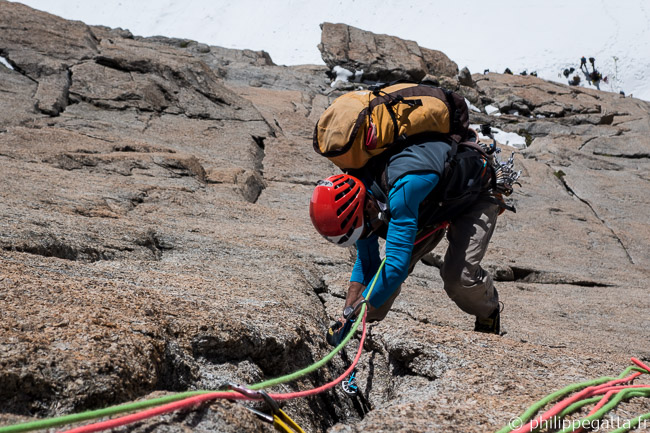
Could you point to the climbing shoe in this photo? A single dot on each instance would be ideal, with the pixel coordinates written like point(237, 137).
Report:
point(489, 325)
point(337, 332)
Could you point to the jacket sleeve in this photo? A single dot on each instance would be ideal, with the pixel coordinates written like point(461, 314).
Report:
point(368, 260)
point(404, 198)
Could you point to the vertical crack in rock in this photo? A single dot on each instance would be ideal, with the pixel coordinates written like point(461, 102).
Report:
point(259, 141)
point(177, 370)
point(147, 123)
point(573, 193)
point(331, 404)
point(308, 103)
point(251, 182)
point(316, 283)
point(277, 124)
point(258, 151)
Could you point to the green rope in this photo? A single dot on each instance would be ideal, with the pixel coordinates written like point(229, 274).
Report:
point(579, 405)
point(99, 413)
point(572, 408)
point(621, 395)
point(326, 359)
point(289, 377)
point(536, 407)
point(633, 423)
point(135, 406)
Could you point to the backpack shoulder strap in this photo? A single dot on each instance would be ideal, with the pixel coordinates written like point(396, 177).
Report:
point(376, 184)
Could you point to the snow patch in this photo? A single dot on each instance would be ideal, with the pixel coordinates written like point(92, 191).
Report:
point(6, 63)
point(472, 107)
point(491, 109)
point(343, 75)
point(508, 138)
point(615, 33)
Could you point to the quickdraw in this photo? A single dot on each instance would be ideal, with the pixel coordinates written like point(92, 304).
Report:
point(349, 385)
point(280, 420)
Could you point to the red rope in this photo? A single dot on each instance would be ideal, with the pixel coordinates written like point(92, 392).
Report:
point(332, 384)
point(585, 393)
point(641, 364)
point(442, 225)
point(160, 410)
point(609, 392)
point(196, 400)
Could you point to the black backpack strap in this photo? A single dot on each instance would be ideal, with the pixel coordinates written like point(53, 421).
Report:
point(394, 100)
point(382, 199)
point(455, 122)
point(390, 104)
point(377, 87)
point(451, 156)
point(374, 186)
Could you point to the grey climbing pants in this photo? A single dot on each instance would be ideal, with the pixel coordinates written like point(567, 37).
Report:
point(465, 281)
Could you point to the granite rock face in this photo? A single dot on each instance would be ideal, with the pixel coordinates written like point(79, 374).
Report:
point(381, 57)
point(154, 237)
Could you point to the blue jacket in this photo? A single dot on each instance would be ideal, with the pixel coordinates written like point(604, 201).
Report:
point(404, 199)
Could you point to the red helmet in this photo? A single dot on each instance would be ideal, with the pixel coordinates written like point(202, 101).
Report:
point(336, 209)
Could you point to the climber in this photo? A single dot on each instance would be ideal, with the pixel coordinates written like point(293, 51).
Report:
point(354, 209)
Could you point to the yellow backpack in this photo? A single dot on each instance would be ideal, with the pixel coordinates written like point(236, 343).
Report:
point(364, 123)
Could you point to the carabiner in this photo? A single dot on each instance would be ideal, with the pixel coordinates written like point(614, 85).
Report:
point(281, 420)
